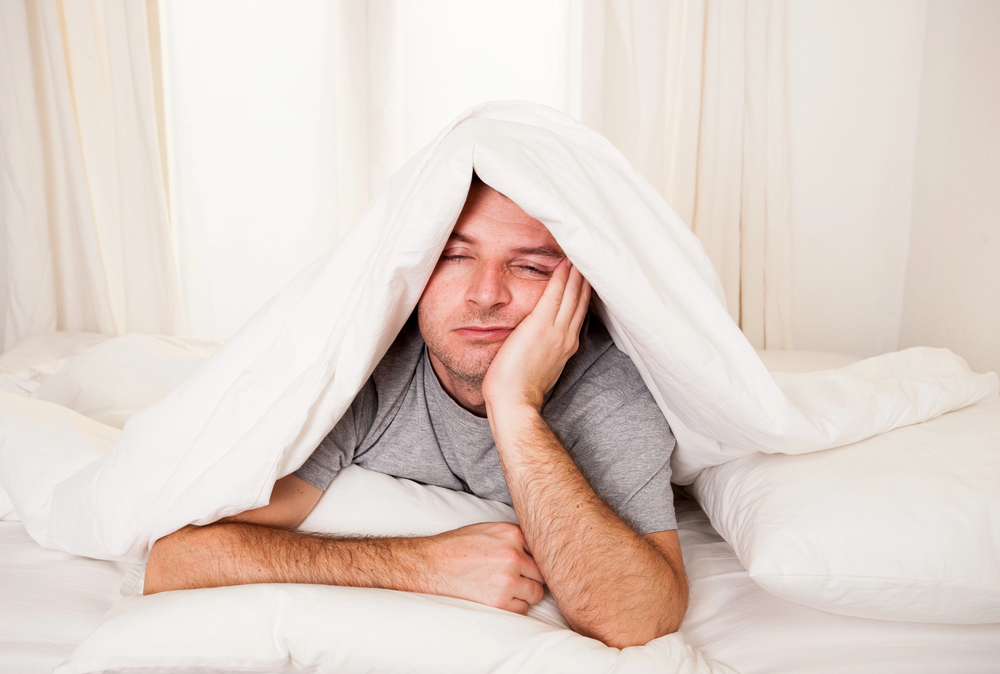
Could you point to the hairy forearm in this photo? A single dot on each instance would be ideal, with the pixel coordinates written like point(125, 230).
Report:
point(609, 582)
point(485, 563)
point(236, 553)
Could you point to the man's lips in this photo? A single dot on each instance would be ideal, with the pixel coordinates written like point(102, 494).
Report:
point(485, 333)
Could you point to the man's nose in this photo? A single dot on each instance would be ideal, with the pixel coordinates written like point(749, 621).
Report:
point(488, 286)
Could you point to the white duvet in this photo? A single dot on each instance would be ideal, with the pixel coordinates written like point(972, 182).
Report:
point(260, 405)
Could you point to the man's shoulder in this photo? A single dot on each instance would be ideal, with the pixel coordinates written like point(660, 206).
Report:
point(601, 393)
point(400, 361)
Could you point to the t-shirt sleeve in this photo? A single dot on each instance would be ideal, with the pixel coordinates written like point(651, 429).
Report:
point(337, 449)
point(625, 456)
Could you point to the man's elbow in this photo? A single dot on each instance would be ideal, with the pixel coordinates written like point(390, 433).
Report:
point(166, 568)
point(662, 619)
point(640, 636)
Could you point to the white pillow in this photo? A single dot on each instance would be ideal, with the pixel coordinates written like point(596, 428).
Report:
point(117, 378)
point(778, 360)
point(7, 512)
point(264, 628)
point(41, 446)
point(365, 502)
point(106, 379)
point(282, 628)
point(901, 526)
point(35, 359)
point(46, 348)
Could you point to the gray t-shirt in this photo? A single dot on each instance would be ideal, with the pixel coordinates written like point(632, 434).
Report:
point(403, 423)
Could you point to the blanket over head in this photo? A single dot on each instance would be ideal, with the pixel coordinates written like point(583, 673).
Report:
point(262, 403)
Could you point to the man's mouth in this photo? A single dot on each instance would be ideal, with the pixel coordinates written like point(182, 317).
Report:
point(484, 332)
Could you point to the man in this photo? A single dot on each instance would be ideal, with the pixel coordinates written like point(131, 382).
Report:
point(519, 396)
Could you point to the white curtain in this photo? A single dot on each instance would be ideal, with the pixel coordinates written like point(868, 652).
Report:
point(693, 92)
point(88, 244)
point(285, 120)
point(370, 131)
point(252, 100)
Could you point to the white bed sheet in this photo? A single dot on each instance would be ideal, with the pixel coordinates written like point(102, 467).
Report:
point(50, 601)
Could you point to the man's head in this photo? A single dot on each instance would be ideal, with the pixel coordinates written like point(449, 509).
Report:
point(491, 273)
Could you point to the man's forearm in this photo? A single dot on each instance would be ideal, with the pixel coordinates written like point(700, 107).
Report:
point(486, 563)
point(609, 582)
point(236, 553)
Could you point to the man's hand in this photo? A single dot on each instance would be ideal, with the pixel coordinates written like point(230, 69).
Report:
point(533, 356)
point(488, 563)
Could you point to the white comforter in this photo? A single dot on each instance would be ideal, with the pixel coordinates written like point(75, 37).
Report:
point(260, 405)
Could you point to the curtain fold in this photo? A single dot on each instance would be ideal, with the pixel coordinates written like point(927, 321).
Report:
point(370, 131)
point(88, 239)
point(693, 92)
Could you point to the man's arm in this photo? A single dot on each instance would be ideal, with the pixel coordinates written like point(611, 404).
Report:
point(487, 563)
point(610, 583)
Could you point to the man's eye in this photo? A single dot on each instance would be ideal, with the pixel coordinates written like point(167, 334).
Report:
point(454, 257)
point(534, 271)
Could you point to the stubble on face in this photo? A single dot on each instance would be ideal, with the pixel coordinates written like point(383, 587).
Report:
point(466, 363)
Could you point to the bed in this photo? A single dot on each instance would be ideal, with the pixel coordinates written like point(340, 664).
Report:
point(86, 615)
point(844, 516)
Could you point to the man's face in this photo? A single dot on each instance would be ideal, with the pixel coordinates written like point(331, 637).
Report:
point(493, 270)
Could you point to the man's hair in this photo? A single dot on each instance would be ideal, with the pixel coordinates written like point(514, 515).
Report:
point(476, 180)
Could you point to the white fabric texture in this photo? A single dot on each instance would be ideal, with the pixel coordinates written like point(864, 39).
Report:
point(901, 526)
point(46, 348)
point(114, 380)
point(266, 628)
point(105, 379)
point(49, 601)
point(261, 404)
point(88, 242)
point(370, 119)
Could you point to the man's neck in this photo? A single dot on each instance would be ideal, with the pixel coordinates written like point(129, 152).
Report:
point(467, 394)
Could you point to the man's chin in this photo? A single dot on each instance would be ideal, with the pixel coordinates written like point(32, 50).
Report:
point(472, 364)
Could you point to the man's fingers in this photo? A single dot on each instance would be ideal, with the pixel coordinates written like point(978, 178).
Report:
point(582, 306)
point(518, 606)
point(533, 592)
point(528, 593)
point(574, 294)
point(570, 295)
point(552, 297)
point(530, 570)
